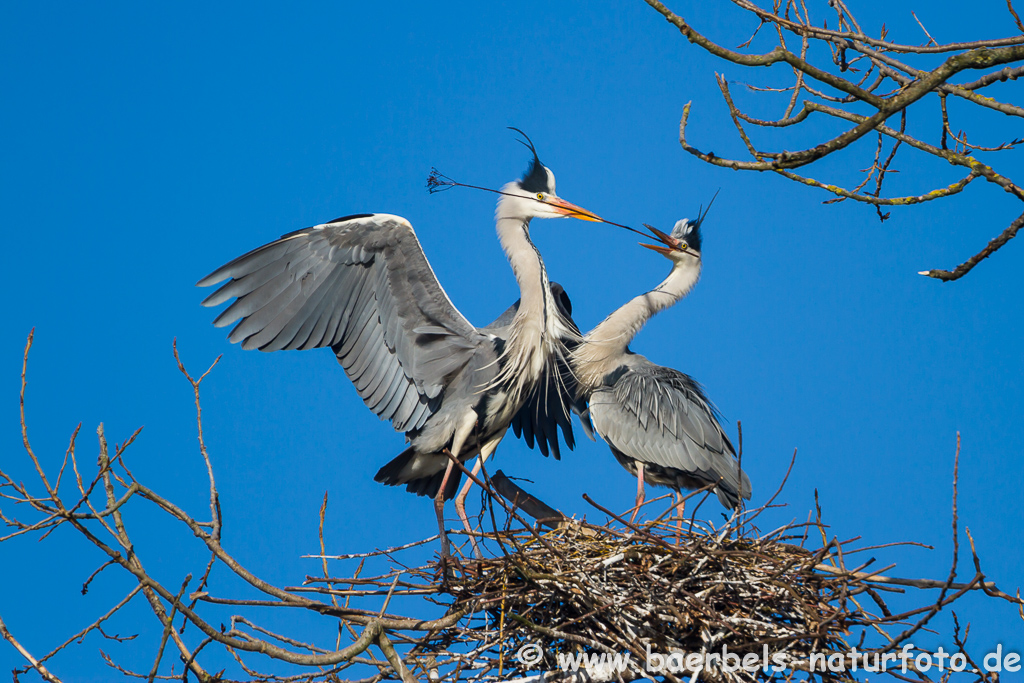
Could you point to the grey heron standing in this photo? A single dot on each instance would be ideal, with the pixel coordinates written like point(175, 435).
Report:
point(657, 421)
point(361, 285)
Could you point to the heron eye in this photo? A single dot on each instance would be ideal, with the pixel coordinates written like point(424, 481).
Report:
point(540, 196)
point(683, 246)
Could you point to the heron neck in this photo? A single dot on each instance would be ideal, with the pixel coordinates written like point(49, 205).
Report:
point(529, 336)
point(527, 266)
point(604, 345)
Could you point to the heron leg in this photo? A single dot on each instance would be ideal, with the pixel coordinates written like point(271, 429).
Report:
point(460, 500)
point(439, 509)
point(458, 439)
point(680, 511)
point(639, 490)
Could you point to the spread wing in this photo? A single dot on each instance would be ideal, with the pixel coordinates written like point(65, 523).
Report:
point(547, 407)
point(660, 416)
point(362, 286)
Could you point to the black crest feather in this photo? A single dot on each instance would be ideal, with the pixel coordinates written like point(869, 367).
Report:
point(536, 177)
point(689, 230)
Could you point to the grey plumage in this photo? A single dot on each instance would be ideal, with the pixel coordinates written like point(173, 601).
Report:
point(362, 286)
point(544, 413)
point(656, 419)
point(356, 286)
point(538, 421)
point(661, 417)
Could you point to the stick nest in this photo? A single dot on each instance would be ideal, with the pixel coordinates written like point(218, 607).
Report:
point(584, 588)
point(543, 599)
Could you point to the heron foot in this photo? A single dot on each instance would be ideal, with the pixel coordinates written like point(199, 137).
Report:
point(444, 572)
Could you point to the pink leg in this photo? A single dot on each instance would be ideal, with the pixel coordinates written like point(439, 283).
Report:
point(439, 509)
point(680, 510)
point(458, 439)
point(460, 507)
point(639, 491)
point(460, 500)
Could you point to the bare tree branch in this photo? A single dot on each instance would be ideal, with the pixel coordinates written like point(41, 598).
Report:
point(990, 248)
point(1000, 60)
point(612, 588)
point(33, 662)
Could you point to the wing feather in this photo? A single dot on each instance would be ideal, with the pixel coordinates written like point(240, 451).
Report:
point(248, 264)
point(297, 331)
point(362, 286)
point(359, 332)
point(660, 416)
point(386, 376)
point(366, 359)
point(394, 396)
point(407, 409)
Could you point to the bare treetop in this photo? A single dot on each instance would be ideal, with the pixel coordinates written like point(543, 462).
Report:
point(888, 76)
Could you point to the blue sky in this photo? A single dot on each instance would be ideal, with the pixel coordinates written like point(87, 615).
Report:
point(146, 146)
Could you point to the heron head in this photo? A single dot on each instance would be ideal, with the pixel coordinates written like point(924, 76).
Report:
point(533, 195)
point(688, 230)
point(683, 242)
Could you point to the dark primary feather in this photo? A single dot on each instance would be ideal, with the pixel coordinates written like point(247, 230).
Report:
point(545, 410)
point(391, 474)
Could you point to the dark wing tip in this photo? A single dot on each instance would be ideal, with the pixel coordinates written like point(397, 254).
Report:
point(562, 299)
point(351, 217)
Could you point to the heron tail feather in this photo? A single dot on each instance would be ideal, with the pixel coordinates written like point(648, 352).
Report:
point(421, 473)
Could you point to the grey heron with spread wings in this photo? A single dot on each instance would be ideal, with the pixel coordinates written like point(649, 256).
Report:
point(361, 286)
point(657, 421)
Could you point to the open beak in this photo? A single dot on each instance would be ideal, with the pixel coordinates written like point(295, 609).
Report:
point(670, 243)
point(568, 209)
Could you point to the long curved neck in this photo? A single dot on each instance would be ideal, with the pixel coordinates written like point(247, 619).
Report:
point(528, 268)
point(604, 345)
point(532, 337)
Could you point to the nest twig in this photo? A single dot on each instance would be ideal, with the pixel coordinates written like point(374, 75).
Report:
point(573, 601)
